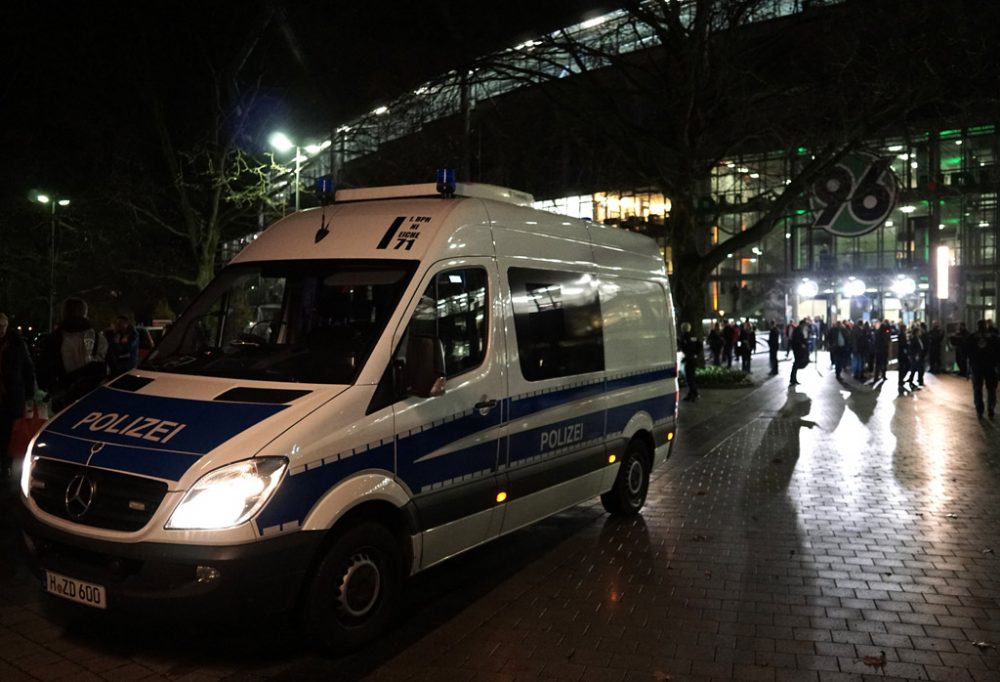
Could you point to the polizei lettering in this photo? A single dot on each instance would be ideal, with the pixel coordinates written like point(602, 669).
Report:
point(558, 438)
point(145, 428)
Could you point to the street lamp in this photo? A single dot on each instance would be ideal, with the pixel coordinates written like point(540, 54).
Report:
point(283, 143)
point(52, 202)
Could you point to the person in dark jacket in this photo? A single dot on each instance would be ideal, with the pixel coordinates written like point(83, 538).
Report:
point(935, 341)
point(918, 356)
point(17, 386)
point(715, 344)
point(123, 347)
point(957, 341)
point(693, 353)
point(982, 349)
point(773, 343)
point(800, 349)
point(903, 356)
point(859, 350)
point(73, 360)
point(748, 339)
point(838, 343)
point(730, 336)
point(883, 341)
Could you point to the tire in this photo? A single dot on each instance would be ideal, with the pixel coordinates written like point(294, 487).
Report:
point(355, 592)
point(628, 494)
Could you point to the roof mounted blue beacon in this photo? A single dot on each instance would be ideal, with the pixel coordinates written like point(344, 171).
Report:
point(325, 190)
point(446, 182)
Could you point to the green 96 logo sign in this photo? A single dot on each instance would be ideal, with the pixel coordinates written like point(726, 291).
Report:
point(855, 196)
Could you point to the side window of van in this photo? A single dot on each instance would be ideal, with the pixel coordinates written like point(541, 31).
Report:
point(453, 308)
point(557, 320)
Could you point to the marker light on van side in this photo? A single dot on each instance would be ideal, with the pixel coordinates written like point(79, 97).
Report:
point(228, 496)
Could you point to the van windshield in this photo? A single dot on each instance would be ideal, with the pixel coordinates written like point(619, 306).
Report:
point(306, 321)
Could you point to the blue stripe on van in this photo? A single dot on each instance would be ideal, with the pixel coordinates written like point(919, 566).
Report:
point(164, 464)
point(206, 424)
point(529, 404)
point(659, 408)
point(474, 459)
point(638, 379)
point(560, 436)
point(145, 435)
point(297, 494)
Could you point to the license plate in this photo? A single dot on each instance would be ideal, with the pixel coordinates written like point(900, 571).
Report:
point(76, 590)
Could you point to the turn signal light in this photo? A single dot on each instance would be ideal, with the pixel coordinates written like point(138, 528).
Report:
point(501, 496)
point(612, 459)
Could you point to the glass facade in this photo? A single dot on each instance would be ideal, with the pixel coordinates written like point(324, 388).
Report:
point(948, 183)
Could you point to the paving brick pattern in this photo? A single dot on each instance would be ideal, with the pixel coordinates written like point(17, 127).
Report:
point(826, 533)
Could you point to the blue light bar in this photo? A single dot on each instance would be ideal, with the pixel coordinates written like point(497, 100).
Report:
point(325, 190)
point(446, 181)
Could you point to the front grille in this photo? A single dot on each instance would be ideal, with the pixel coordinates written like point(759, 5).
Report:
point(120, 501)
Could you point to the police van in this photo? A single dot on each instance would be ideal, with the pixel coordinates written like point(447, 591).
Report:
point(371, 387)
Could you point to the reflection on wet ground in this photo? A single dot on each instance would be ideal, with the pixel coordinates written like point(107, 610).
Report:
point(796, 534)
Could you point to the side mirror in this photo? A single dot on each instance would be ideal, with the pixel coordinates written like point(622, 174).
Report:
point(422, 373)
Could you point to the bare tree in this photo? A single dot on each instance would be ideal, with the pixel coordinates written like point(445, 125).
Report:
point(677, 87)
point(214, 188)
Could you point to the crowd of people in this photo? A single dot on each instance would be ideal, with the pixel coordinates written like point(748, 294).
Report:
point(71, 361)
point(863, 347)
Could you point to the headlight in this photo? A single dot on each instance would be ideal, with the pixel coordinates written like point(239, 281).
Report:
point(29, 460)
point(228, 496)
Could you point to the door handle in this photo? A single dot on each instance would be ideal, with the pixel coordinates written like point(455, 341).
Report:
point(484, 406)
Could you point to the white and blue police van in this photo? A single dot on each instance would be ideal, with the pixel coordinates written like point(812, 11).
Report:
point(371, 387)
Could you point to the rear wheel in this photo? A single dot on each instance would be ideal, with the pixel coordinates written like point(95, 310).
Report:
point(355, 592)
point(632, 483)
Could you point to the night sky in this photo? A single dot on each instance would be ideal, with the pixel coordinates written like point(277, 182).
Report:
point(74, 72)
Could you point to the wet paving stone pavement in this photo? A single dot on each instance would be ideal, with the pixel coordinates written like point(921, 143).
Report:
point(824, 533)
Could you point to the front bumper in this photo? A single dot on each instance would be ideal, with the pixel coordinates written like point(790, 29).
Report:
point(253, 579)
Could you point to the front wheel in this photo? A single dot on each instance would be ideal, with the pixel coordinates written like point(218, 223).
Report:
point(355, 592)
point(629, 492)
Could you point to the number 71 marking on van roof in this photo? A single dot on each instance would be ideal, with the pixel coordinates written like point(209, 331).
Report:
point(406, 238)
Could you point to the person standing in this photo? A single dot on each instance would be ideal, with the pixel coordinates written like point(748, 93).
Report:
point(730, 336)
point(859, 350)
point(935, 341)
point(982, 349)
point(748, 338)
point(837, 340)
point(800, 349)
point(693, 352)
point(883, 340)
point(123, 347)
point(17, 386)
point(73, 361)
point(918, 355)
point(869, 347)
point(715, 344)
point(957, 341)
point(773, 342)
point(902, 356)
point(922, 354)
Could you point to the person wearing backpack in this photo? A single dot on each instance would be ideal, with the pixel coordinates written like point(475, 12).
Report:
point(73, 360)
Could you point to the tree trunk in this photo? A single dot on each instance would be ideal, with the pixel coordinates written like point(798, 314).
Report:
point(689, 281)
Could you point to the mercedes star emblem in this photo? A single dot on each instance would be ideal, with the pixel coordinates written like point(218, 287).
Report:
point(79, 495)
